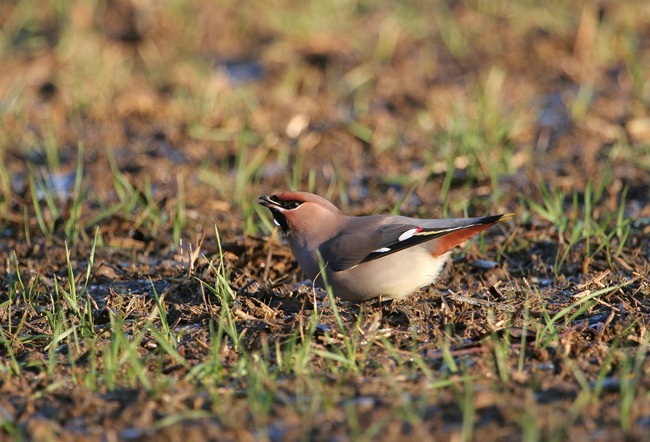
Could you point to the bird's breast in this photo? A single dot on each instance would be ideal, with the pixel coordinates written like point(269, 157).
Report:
point(394, 276)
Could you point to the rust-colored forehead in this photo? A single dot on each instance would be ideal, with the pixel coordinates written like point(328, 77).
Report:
point(294, 196)
point(306, 197)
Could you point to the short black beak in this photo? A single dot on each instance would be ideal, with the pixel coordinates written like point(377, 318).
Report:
point(266, 201)
point(276, 210)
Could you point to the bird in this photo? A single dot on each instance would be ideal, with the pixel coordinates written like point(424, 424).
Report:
point(365, 257)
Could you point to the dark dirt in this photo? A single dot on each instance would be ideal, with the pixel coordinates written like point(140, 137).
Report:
point(496, 298)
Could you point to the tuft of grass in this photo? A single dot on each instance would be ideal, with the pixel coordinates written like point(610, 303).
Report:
point(476, 143)
point(222, 291)
point(348, 355)
point(325, 368)
point(631, 373)
point(578, 224)
point(235, 184)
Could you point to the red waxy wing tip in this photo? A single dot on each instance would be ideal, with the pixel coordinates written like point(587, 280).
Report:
point(450, 240)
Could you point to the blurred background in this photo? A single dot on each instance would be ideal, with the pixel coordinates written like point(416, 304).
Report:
point(440, 107)
point(144, 291)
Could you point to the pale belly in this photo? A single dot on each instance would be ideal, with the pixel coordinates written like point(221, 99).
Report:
point(394, 276)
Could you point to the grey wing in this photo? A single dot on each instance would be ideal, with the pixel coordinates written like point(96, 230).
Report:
point(347, 250)
point(370, 238)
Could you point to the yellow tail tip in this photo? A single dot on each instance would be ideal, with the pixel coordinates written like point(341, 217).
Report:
point(506, 217)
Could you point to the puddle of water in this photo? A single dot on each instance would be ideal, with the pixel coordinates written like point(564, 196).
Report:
point(324, 328)
point(164, 147)
point(555, 114)
point(483, 264)
point(554, 118)
point(58, 184)
point(242, 71)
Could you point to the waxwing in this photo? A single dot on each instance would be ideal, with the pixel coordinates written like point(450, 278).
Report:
point(368, 256)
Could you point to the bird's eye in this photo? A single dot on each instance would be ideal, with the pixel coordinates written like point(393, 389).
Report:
point(293, 204)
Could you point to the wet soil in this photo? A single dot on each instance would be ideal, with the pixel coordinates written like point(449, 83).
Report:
point(277, 106)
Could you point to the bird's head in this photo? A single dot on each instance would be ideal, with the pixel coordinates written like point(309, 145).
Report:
point(303, 215)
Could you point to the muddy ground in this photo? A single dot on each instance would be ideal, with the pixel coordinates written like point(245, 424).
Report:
point(135, 138)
